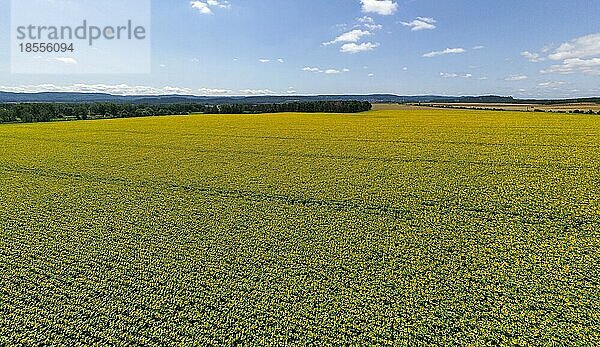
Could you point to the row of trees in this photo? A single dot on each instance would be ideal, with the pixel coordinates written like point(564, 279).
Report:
point(309, 107)
point(506, 109)
point(45, 112)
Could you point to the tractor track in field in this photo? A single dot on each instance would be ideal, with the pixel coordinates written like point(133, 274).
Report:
point(391, 159)
point(318, 139)
point(442, 207)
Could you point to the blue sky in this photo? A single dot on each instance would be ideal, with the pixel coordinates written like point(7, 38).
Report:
point(543, 49)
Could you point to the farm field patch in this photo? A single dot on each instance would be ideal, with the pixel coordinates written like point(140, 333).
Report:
point(392, 227)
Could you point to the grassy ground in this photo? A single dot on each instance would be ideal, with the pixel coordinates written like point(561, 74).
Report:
point(431, 227)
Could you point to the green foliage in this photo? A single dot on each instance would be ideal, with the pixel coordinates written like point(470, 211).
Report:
point(387, 228)
point(44, 112)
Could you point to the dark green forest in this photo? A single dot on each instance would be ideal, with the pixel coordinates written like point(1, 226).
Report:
point(46, 112)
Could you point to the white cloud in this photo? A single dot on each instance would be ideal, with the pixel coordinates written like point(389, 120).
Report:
point(580, 55)
point(373, 27)
point(221, 4)
point(478, 47)
point(581, 47)
point(552, 84)
point(446, 51)
point(124, 89)
point(214, 91)
point(350, 40)
point(351, 36)
point(70, 61)
point(448, 75)
point(204, 7)
point(365, 19)
point(353, 48)
point(427, 19)
point(267, 60)
point(257, 91)
point(117, 89)
point(311, 69)
point(371, 75)
point(369, 23)
point(331, 71)
point(201, 7)
point(516, 78)
point(421, 23)
point(382, 7)
point(532, 57)
point(576, 65)
point(405, 68)
point(454, 75)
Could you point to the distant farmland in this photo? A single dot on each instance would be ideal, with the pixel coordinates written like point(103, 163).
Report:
point(394, 227)
point(569, 107)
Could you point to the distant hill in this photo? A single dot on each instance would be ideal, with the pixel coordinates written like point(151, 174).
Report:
point(7, 97)
point(99, 97)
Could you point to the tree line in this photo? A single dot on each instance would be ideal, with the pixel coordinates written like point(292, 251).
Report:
point(45, 112)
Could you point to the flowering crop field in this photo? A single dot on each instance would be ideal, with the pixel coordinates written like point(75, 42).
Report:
point(398, 227)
